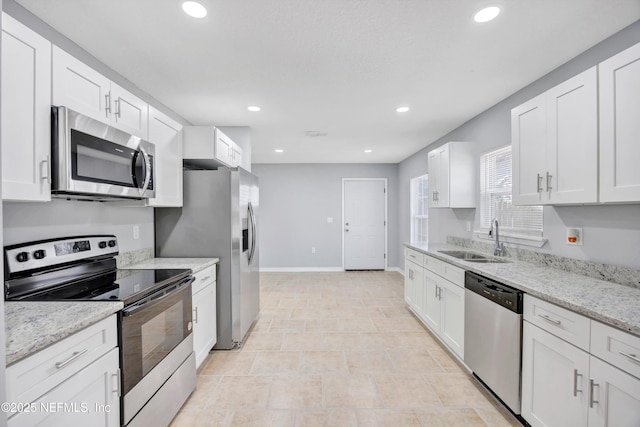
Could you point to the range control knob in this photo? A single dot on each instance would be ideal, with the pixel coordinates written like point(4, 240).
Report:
point(102, 245)
point(22, 257)
point(112, 243)
point(39, 254)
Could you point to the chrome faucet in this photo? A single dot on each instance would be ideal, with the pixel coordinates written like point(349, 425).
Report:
point(498, 249)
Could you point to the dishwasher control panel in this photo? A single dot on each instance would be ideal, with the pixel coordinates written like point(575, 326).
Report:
point(503, 295)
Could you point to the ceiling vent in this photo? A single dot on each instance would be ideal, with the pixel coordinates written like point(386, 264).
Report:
point(316, 133)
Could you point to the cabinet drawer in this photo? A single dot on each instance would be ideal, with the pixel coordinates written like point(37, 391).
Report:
point(453, 274)
point(563, 323)
point(433, 264)
point(32, 377)
point(617, 347)
point(203, 279)
point(414, 256)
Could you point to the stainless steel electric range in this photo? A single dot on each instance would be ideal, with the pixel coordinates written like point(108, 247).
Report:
point(154, 328)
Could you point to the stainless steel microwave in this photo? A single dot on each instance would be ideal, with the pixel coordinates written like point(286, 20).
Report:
point(95, 161)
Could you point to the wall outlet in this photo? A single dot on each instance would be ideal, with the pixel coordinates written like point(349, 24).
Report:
point(329, 220)
point(574, 236)
point(136, 232)
point(313, 250)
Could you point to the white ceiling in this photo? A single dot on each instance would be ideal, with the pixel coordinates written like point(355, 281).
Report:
point(340, 66)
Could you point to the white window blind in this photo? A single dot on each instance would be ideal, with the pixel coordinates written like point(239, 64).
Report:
point(496, 201)
point(420, 209)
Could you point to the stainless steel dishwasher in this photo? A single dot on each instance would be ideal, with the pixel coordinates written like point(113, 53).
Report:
point(493, 336)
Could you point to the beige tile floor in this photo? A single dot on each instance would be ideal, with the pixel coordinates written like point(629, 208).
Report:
point(337, 349)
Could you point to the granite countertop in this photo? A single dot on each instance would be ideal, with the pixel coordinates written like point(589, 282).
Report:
point(611, 303)
point(32, 326)
point(195, 264)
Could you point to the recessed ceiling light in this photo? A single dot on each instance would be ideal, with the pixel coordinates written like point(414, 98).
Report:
point(253, 108)
point(402, 109)
point(194, 9)
point(368, 151)
point(278, 150)
point(486, 14)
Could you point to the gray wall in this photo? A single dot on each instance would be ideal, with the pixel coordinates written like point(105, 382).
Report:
point(611, 233)
point(295, 202)
point(24, 222)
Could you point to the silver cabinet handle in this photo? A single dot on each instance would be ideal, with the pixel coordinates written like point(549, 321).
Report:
point(412, 256)
point(117, 379)
point(549, 319)
point(195, 317)
point(549, 176)
point(633, 357)
point(117, 102)
point(538, 182)
point(592, 385)
point(107, 104)
point(47, 169)
point(75, 356)
point(575, 382)
point(205, 278)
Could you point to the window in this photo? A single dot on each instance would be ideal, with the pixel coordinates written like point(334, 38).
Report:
point(420, 209)
point(496, 201)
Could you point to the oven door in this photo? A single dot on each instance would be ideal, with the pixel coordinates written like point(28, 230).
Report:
point(91, 157)
point(151, 329)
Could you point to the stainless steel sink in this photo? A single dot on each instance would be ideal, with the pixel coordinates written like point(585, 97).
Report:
point(472, 256)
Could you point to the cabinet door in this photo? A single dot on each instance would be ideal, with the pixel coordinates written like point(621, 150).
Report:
point(130, 113)
point(619, 82)
point(614, 397)
point(165, 134)
point(204, 314)
point(433, 293)
point(438, 169)
point(572, 139)
point(89, 398)
point(409, 282)
point(26, 113)
point(419, 291)
point(236, 154)
point(224, 152)
point(528, 139)
point(555, 383)
point(452, 326)
point(79, 87)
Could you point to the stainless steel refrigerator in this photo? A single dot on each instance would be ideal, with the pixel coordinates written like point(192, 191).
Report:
point(219, 219)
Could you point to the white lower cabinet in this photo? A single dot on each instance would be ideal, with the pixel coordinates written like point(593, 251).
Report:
point(204, 313)
point(567, 385)
point(437, 301)
point(74, 382)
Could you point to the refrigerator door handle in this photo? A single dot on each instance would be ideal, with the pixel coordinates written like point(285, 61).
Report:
point(252, 218)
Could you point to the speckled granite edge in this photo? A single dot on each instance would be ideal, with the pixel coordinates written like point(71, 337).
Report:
point(31, 326)
point(609, 273)
point(195, 264)
point(126, 259)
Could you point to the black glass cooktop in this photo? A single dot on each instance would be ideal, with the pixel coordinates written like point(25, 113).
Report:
point(116, 285)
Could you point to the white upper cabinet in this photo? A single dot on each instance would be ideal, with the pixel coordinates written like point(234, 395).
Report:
point(620, 127)
point(555, 144)
point(209, 147)
point(166, 135)
point(81, 88)
point(452, 173)
point(26, 113)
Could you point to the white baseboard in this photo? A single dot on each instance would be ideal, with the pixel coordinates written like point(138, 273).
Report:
point(396, 269)
point(300, 269)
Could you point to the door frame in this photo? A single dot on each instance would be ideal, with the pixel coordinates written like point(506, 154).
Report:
point(386, 218)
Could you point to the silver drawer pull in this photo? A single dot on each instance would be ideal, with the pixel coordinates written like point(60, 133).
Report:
point(575, 382)
point(592, 385)
point(412, 256)
point(74, 356)
point(630, 356)
point(549, 319)
point(205, 278)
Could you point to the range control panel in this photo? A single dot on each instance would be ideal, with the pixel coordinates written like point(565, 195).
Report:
point(47, 253)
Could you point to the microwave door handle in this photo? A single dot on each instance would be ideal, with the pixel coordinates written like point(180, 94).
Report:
point(137, 307)
point(147, 171)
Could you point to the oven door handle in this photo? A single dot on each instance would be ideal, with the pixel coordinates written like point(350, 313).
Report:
point(150, 300)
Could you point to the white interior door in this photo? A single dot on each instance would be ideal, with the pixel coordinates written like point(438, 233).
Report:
point(364, 228)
